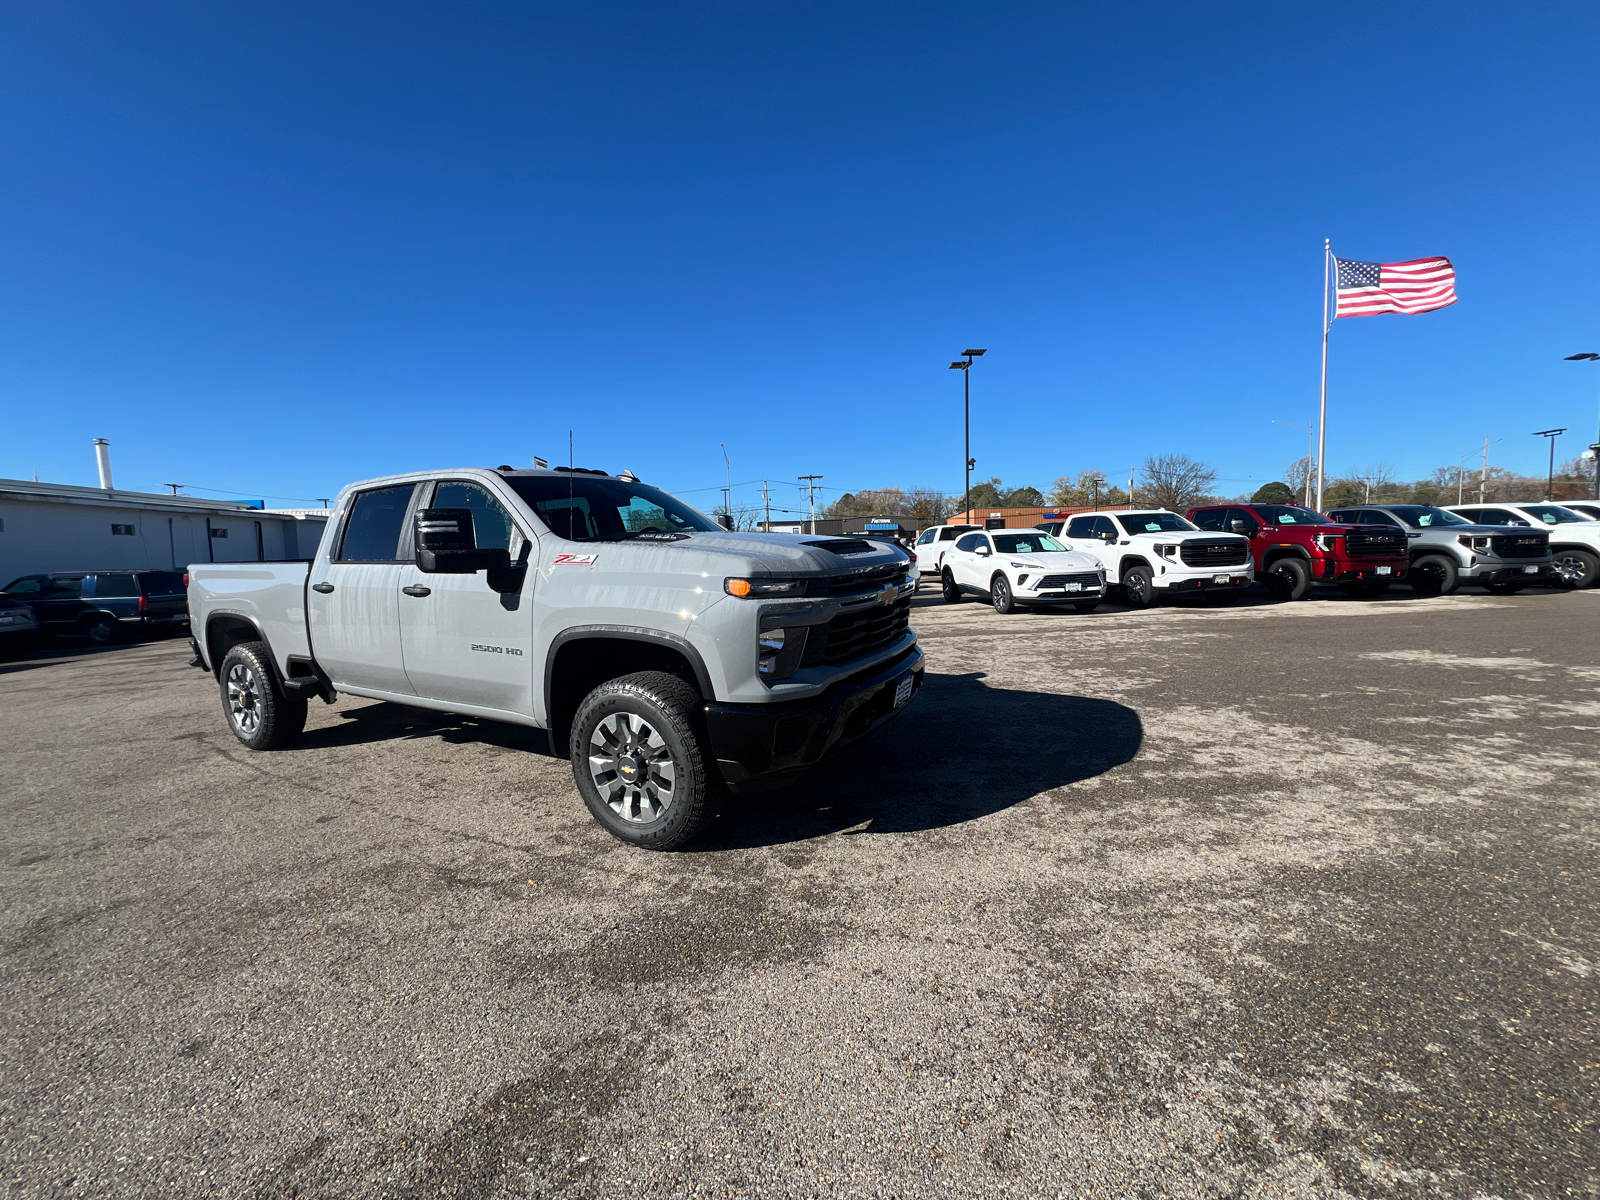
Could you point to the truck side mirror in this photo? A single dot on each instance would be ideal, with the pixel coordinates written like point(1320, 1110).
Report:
point(726, 521)
point(1238, 526)
point(447, 544)
point(1106, 535)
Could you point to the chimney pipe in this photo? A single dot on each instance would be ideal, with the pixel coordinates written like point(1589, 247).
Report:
point(102, 458)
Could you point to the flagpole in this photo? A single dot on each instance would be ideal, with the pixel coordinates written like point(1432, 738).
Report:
point(1322, 418)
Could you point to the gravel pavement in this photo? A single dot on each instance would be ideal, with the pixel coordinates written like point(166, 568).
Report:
point(1277, 900)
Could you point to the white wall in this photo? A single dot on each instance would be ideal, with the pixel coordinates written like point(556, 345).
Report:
point(44, 536)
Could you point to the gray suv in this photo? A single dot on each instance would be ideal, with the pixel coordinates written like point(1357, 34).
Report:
point(1446, 549)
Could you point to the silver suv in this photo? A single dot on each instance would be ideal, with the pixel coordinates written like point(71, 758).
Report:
point(1446, 548)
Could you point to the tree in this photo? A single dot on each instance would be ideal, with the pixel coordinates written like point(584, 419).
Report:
point(1274, 493)
point(1302, 478)
point(1088, 488)
point(1022, 497)
point(986, 494)
point(1175, 481)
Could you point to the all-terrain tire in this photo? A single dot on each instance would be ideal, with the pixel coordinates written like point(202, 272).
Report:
point(639, 757)
point(1577, 568)
point(258, 711)
point(947, 585)
point(1000, 595)
point(1434, 575)
point(1288, 579)
point(1138, 584)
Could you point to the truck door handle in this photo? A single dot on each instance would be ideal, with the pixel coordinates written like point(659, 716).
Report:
point(417, 589)
point(324, 588)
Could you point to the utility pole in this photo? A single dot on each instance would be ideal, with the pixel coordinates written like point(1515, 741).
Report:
point(766, 498)
point(1483, 481)
point(811, 491)
point(1132, 471)
point(727, 492)
point(966, 423)
point(1550, 486)
point(173, 486)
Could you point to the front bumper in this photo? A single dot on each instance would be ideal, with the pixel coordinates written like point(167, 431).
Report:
point(1482, 572)
point(762, 746)
point(1223, 579)
point(1355, 570)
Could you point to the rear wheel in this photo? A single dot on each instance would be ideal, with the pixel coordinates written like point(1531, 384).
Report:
point(1434, 575)
point(947, 585)
point(1000, 595)
point(1139, 585)
point(1366, 589)
point(100, 629)
point(260, 713)
point(638, 759)
point(1288, 579)
point(1576, 568)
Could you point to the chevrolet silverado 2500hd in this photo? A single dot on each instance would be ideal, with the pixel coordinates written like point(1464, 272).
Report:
point(657, 649)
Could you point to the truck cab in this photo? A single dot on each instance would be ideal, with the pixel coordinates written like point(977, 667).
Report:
point(1294, 547)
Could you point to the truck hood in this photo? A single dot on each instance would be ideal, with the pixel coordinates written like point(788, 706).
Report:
point(790, 553)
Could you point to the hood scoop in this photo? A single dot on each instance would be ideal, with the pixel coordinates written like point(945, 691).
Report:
point(843, 546)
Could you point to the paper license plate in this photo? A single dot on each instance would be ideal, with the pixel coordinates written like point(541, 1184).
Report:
point(1219, 579)
point(902, 691)
point(1072, 587)
point(1530, 570)
point(1383, 570)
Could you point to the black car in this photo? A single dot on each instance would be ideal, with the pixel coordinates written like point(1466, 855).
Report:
point(101, 605)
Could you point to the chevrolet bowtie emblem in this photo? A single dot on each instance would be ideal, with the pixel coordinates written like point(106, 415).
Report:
point(888, 595)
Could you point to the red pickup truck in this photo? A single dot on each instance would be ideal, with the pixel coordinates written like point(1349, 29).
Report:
point(1294, 547)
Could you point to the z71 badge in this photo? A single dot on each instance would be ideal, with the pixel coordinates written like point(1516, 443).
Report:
point(574, 560)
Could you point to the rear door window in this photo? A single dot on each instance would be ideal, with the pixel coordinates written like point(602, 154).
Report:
point(372, 533)
point(161, 583)
point(63, 589)
point(115, 585)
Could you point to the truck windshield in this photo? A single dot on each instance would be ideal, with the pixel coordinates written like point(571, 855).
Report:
point(591, 508)
point(1553, 514)
point(1154, 522)
point(1425, 516)
point(1025, 543)
point(1290, 514)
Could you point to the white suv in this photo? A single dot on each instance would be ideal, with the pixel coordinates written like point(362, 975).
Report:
point(933, 544)
point(1154, 553)
point(1019, 568)
point(1574, 536)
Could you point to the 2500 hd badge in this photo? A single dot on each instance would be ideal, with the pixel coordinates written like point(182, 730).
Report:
point(512, 650)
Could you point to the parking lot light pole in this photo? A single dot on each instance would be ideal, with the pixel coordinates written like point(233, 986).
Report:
point(1550, 485)
point(966, 421)
point(1594, 450)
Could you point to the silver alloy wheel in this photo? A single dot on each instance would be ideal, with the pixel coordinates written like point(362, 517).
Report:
point(244, 698)
point(632, 767)
point(1571, 568)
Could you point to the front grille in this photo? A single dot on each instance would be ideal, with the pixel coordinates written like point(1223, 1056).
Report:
point(1215, 554)
point(1521, 545)
point(1061, 581)
point(857, 632)
point(868, 579)
point(1375, 543)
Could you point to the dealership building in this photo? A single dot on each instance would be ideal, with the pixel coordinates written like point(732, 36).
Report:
point(61, 527)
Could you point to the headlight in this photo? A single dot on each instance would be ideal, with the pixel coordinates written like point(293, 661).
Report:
point(1166, 550)
point(1478, 542)
point(746, 588)
point(1327, 541)
point(779, 651)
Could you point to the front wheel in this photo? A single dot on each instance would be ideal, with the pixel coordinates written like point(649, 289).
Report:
point(1288, 579)
point(1140, 587)
point(1576, 568)
point(1000, 596)
point(638, 758)
point(947, 586)
point(1434, 575)
point(260, 713)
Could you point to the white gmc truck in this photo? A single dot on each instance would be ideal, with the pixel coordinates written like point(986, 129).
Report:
point(661, 652)
point(1155, 553)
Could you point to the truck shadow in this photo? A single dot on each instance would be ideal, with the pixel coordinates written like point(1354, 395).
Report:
point(381, 721)
point(962, 751)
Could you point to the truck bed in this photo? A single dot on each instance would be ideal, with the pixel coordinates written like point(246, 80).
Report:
point(269, 595)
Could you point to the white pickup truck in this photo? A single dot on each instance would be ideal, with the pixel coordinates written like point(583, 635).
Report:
point(1154, 553)
point(661, 652)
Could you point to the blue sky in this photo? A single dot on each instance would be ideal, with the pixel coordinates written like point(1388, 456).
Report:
point(273, 248)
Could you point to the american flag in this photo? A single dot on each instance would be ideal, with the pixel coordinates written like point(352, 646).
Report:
point(1366, 289)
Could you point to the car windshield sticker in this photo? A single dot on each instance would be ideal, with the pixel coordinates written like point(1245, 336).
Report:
point(574, 560)
point(1153, 526)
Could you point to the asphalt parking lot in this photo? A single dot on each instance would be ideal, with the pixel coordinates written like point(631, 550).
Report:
point(1288, 900)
